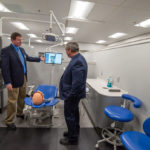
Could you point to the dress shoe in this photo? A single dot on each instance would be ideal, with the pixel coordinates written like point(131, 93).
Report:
point(65, 134)
point(11, 126)
point(66, 141)
point(20, 116)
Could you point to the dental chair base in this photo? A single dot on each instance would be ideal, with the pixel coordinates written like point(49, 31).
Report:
point(39, 117)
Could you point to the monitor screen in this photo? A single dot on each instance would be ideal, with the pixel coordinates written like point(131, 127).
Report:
point(53, 58)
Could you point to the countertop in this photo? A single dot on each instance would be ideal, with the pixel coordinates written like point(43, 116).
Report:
point(100, 86)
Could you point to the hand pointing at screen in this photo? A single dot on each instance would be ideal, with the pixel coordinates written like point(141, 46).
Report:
point(42, 58)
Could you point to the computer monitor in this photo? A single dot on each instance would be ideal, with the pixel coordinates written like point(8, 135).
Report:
point(53, 58)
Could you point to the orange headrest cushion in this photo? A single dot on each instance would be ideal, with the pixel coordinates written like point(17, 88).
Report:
point(38, 98)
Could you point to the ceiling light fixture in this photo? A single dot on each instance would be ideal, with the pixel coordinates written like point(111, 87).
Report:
point(3, 8)
point(68, 38)
point(144, 24)
point(100, 42)
point(20, 25)
point(117, 35)
point(65, 43)
point(80, 9)
point(71, 30)
point(32, 35)
point(39, 41)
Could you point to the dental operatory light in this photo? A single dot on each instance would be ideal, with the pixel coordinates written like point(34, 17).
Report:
point(20, 25)
point(71, 30)
point(144, 24)
point(68, 38)
point(50, 36)
point(80, 9)
point(101, 42)
point(32, 35)
point(117, 35)
point(3, 8)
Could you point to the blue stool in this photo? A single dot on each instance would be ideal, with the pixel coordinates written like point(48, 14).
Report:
point(120, 114)
point(133, 140)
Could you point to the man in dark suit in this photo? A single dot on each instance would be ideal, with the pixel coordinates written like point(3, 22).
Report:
point(14, 71)
point(71, 89)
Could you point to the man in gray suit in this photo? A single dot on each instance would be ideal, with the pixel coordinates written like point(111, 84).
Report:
point(72, 89)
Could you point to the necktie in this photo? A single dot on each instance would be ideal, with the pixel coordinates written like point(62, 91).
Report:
point(21, 59)
point(20, 55)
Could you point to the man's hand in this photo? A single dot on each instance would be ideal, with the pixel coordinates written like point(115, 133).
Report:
point(42, 58)
point(9, 87)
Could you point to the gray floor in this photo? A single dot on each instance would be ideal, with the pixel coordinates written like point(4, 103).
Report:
point(32, 138)
point(45, 139)
point(58, 120)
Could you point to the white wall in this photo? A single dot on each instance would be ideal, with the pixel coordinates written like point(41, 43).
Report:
point(90, 47)
point(132, 66)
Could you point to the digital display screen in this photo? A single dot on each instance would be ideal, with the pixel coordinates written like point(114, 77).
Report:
point(53, 58)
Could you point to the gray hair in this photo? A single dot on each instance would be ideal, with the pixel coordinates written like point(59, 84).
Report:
point(73, 46)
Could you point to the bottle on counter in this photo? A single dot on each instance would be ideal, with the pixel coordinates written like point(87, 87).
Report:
point(109, 82)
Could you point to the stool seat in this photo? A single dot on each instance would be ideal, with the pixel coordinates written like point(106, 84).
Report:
point(118, 113)
point(134, 140)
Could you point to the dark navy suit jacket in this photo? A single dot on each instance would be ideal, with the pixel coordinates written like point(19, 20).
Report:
point(73, 80)
point(12, 68)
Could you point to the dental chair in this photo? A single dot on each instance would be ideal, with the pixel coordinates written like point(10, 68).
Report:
point(41, 115)
point(134, 140)
point(119, 114)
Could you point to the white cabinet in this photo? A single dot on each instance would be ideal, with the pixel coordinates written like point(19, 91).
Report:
point(97, 99)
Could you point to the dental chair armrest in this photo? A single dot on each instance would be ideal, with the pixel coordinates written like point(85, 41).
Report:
point(136, 101)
